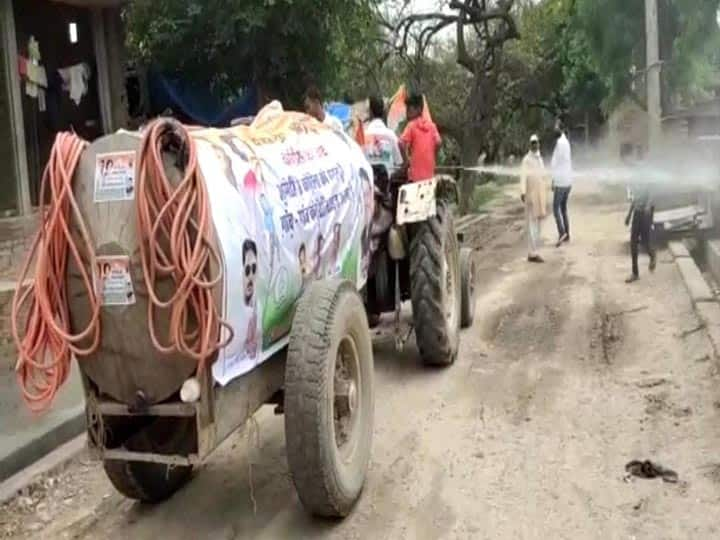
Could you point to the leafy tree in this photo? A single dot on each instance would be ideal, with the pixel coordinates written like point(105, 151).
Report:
point(278, 45)
point(563, 78)
point(482, 29)
point(547, 72)
point(361, 48)
point(689, 41)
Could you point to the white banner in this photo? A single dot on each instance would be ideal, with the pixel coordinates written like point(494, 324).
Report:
point(291, 202)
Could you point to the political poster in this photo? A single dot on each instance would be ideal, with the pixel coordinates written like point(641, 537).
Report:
point(291, 202)
point(113, 281)
point(115, 177)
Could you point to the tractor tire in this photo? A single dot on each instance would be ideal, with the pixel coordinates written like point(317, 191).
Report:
point(329, 398)
point(467, 286)
point(435, 288)
point(153, 482)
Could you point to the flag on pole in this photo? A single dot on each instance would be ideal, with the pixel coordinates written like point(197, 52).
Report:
point(397, 111)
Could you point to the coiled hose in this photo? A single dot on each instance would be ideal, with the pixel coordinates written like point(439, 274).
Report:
point(175, 238)
point(47, 345)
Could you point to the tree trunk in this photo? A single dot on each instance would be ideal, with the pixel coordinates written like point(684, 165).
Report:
point(471, 147)
point(473, 140)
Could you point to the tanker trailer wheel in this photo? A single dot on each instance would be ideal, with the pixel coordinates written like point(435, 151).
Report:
point(467, 286)
point(329, 398)
point(154, 482)
point(435, 288)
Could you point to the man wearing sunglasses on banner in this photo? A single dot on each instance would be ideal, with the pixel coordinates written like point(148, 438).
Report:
point(249, 258)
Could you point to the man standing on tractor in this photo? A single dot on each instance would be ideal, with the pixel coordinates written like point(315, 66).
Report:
point(314, 107)
point(381, 145)
point(421, 141)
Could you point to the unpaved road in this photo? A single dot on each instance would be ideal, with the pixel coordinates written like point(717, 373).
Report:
point(567, 375)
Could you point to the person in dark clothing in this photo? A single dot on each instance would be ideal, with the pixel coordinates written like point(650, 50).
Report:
point(640, 218)
point(562, 173)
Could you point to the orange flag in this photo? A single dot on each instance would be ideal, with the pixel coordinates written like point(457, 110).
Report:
point(397, 112)
point(359, 131)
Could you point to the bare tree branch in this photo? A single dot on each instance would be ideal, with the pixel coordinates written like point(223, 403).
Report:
point(480, 14)
point(407, 24)
point(480, 53)
point(463, 58)
point(469, 13)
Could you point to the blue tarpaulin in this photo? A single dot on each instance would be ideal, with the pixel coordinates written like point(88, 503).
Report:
point(342, 111)
point(195, 104)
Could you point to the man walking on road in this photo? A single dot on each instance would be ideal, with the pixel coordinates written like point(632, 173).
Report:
point(562, 172)
point(533, 191)
point(641, 214)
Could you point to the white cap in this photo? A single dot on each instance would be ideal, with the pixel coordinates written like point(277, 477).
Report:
point(534, 138)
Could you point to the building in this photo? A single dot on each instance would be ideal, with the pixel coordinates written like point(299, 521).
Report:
point(627, 130)
point(62, 68)
point(699, 120)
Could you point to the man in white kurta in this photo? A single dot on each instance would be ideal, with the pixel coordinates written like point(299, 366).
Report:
point(533, 186)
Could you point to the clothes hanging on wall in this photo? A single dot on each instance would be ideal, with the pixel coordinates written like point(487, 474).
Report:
point(22, 66)
point(34, 72)
point(75, 80)
point(36, 84)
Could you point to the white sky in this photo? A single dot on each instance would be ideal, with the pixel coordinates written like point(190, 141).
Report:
point(430, 6)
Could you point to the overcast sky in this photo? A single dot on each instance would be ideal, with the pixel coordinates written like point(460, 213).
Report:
point(431, 6)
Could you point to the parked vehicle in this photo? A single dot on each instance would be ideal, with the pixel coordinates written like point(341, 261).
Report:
point(153, 415)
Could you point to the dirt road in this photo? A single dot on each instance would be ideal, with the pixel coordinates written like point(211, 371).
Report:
point(567, 375)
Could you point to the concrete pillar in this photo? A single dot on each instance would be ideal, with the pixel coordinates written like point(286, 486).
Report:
point(101, 61)
point(9, 62)
point(117, 61)
point(652, 53)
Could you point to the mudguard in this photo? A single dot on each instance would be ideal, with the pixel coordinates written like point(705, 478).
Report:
point(417, 201)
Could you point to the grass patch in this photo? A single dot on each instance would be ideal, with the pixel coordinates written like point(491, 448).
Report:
point(482, 196)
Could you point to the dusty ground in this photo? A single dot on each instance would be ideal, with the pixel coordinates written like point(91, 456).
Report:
point(567, 375)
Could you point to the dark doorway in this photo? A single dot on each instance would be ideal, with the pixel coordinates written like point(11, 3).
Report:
point(64, 35)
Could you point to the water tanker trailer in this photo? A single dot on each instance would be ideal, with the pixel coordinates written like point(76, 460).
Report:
point(197, 274)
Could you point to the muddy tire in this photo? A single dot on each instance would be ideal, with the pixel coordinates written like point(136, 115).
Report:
point(152, 482)
point(435, 288)
point(467, 287)
point(329, 398)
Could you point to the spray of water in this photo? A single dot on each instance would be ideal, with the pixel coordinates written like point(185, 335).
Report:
point(670, 171)
point(598, 174)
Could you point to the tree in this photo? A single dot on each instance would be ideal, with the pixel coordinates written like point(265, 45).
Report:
point(482, 28)
point(278, 45)
point(362, 49)
point(689, 41)
point(560, 77)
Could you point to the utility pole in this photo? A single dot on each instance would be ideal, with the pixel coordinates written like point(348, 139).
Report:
point(652, 76)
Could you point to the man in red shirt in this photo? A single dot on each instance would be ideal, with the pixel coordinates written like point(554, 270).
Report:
point(421, 140)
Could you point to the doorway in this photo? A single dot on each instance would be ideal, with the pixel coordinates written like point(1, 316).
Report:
point(62, 35)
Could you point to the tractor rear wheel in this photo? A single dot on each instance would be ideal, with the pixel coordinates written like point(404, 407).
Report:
point(435, 288)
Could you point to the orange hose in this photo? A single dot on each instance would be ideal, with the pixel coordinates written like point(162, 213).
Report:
point(175, 236)
point(47, 345)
